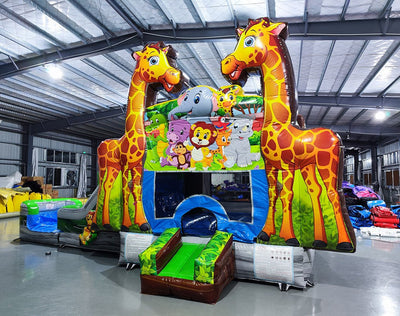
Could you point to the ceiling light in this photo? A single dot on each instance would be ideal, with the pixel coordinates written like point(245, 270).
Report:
point(380, 115)
point(54, 71)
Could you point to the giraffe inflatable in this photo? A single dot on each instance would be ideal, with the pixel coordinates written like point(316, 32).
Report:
point(286, 148)
point(126, 154)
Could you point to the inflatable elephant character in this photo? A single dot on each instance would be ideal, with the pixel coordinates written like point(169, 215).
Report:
point(239, 149)
point(197, 103)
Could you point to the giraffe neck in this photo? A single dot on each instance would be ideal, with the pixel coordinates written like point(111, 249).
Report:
point(136, 102)
point(280, 97)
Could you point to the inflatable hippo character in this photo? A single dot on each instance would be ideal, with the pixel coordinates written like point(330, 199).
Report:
point(239, 149)
point(197, 103)
point(178, 131)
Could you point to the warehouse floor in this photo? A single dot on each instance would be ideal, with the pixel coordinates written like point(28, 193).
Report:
point(76, 282)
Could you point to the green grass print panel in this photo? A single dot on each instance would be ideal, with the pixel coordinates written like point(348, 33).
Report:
point(205, 263)
point(148, 257)
point(182, 264)
point(115, 204)
point(303, 215)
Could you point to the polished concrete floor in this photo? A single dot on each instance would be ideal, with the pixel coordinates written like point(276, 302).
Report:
point(75, 282)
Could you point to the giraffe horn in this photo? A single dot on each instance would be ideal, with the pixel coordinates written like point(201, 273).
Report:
point(279, 29)
point(136, 55)
point(239, 31)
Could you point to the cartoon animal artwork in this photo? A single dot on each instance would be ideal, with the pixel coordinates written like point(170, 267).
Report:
point(223, 140)
point(239, 150)
point(227, 98)
point(156, 134)
point(285, 147)
point(182, 156)
point(178, 131)
point(201, 136)
point(88, 233)
point(197, 103)
point(126, 154)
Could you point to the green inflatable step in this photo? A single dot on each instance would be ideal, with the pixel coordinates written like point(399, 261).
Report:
point(181, 264)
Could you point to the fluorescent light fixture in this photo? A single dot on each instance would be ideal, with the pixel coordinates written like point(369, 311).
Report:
point(380, 115)
point(54, 71)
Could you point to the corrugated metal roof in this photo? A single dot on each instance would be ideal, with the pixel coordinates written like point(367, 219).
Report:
point(346, 58)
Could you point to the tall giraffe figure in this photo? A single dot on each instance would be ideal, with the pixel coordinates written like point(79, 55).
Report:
point(126, 154)
point(286, 148)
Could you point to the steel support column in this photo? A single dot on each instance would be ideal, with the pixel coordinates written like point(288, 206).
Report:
point(26, 168)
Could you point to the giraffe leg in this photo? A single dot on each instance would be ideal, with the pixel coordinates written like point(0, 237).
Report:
point(314, 189)
point(108, 183)
point(140, 217)
point(344, 242)
point(102, 172)
point(126, 219)
point(287, 197)
point(269, 226)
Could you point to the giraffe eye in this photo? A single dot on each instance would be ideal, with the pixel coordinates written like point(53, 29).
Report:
point(153, 60)
point(249, 41)
point(231, 97)
point(221, 99)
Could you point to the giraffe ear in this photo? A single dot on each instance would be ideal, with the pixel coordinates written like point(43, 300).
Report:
point(239, 31)
point(279, 29)
point(236, 89)
point(136, 55)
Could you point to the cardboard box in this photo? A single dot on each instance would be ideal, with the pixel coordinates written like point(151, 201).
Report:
point(39, 180)
point(54, 194)
point(47, 188)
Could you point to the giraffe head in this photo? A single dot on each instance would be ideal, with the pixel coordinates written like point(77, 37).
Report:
point(252, 47)
point(153, 63)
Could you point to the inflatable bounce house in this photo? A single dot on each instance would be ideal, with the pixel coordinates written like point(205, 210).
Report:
point(216, 184)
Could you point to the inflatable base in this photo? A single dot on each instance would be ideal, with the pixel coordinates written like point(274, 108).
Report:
point(282, 265)
point(193, 271)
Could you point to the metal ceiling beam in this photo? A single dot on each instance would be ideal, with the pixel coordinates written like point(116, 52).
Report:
point(352, 102)
point(386, 10)
point(344, 10)
point(61, 89)
point(195, 11)
point(49, 98)
point(348, 30)
point(58, 124)
point(382, 62)
point(356, 117)
point(30, 26)
point(317, 101)
point(324, 115)
point(384, 91)
point(360, 53)
point(91, 17)
point(328, 58)
point(61, 19)
point(105, 72)
point(77, 85)
point(340, 115)
point(202, 64)
point(363, 130)
point(271, 9)
point(94, 80)
point(122, 11)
